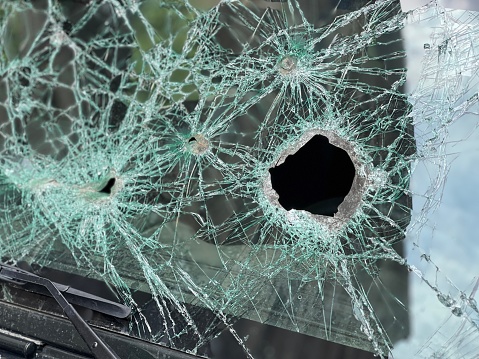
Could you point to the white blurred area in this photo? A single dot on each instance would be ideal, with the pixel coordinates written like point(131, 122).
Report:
point(451, 4)
point(415, 36)
point(450, 237)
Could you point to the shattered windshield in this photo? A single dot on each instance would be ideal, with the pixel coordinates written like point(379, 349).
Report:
point(221, 161)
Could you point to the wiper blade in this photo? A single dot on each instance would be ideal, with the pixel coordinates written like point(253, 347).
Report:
point(20, 277)
point(74, 296)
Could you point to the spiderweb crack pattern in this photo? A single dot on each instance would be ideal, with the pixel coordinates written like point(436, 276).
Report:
point(136, 139)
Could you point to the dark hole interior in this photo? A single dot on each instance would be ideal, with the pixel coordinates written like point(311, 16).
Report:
point(192, 139)
point(315, 179)
point(109, 185)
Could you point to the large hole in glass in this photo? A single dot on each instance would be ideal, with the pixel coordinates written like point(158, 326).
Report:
point(108, 187)
point(316, 178)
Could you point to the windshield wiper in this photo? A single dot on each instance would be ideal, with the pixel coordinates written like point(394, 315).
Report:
point(72, 295)
point(43, 285)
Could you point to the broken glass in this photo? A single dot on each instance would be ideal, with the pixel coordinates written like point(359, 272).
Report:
point(217, 160)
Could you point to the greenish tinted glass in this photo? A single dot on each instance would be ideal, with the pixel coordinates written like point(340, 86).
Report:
point(138, 142)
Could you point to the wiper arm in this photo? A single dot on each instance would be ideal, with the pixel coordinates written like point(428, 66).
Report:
point(74, 296)
point(17, 276)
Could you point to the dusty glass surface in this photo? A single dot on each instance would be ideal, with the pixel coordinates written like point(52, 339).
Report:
point(142, 144)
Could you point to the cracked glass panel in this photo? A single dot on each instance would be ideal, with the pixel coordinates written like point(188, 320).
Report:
point(209, 163)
